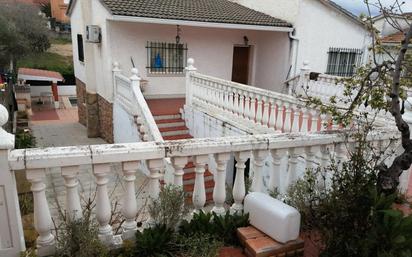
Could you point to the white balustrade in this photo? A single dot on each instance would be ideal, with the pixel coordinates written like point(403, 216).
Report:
point(199, 191)
point(219, 191)
point(289, 147)
point(103, 206)
point(129, 206)
point(73, 208)
point(239, 188)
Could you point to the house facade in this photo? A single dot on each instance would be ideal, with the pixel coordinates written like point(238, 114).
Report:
point(327, 35)
point(228, 41)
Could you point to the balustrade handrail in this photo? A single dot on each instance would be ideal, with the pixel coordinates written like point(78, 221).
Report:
point(137, 105)
point(36, 158)
point(255, 90)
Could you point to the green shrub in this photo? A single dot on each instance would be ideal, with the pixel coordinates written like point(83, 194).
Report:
point(79, 238)
point(24, 139)
point(157, 241)
point(222, 227)
point(342, 204)
point(199, 245)
point(169, 208)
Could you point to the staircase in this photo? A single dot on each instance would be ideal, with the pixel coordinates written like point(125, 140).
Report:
point(166, 113)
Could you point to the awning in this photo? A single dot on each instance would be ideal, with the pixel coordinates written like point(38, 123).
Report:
point(39, 75)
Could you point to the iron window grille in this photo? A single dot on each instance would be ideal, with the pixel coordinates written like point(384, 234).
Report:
point(166, 58)
point(343, 61)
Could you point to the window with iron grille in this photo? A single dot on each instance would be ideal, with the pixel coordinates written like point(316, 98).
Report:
point(166, 58)
point(343, 61)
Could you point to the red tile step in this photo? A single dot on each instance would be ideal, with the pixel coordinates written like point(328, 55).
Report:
point(162, 121)
point(208, 185)
point(177, 137)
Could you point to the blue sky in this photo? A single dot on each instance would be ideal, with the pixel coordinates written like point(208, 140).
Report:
point(358, 6)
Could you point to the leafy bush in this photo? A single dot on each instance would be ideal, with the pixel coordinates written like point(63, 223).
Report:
point(24, 139)
point(157, 241)
point(221, 227)
point(199, 245)
point(169, 208)
point(342, 204)
point(78, 238)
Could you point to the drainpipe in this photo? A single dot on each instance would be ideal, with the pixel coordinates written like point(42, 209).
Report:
point(294, 52)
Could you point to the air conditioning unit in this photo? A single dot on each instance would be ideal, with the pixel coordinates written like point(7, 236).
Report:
point(93, 34)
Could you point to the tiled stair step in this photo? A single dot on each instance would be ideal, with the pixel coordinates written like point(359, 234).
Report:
point(167, 117)
point(174, 131)
point(170, 123)
point(209, 185)
point(178, 137)
point(189, 177)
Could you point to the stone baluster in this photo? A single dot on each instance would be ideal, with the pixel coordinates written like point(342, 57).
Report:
point(221, 103)
point(226, 105)
point(340, 153)
point(272, 115)
point(247, 105)
point(103, 207)
point(279, 116)
point(259, 109)
point(296, 117)
point(236, 102)
point(129, 206)
point(323, 122)
point(259, 157)
point(154, 186)
point(219, 191)
point(116, 70)
point(265, 117)
point(311, 158)
point(190, 70)
point(42, 218)
point(315, 121)
point(294, 154)
point(277, 155)
point(305, 120)
point(178, 164)
point(241, 103)
point(73, 207)
point(199, 192)
point(239, 189)
point(287, 124)
point(231, 100)
point(252, 107)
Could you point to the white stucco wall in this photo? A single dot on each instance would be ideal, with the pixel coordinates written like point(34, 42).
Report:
point(212, 50)
point(63, 90)
point(320, 27)
point(385, 29)
point(77, 27)
point(124, 127)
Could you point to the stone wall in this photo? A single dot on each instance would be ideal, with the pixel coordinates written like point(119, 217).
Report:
point(81, 101)
point(105, 119)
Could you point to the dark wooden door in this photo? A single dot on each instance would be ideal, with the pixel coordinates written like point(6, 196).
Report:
point(240, 68)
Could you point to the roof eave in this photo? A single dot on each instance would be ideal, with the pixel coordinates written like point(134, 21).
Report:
point(199, 23)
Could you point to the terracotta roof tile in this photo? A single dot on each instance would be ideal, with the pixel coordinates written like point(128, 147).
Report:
point(394, 38)
point(218, 11)
point(40, 73)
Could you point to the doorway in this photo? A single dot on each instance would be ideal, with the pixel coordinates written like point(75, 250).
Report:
point(240, 66)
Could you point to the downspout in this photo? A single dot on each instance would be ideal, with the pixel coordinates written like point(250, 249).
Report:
point(294, 53)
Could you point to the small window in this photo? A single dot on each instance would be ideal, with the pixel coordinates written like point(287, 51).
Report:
point(166, 58)
point(80, 50)
point(343, 61)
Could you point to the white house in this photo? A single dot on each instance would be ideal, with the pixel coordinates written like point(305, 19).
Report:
point(327, 35)
point(228, 40)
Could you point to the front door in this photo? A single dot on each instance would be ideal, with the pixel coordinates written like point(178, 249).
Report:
point(240, 67)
